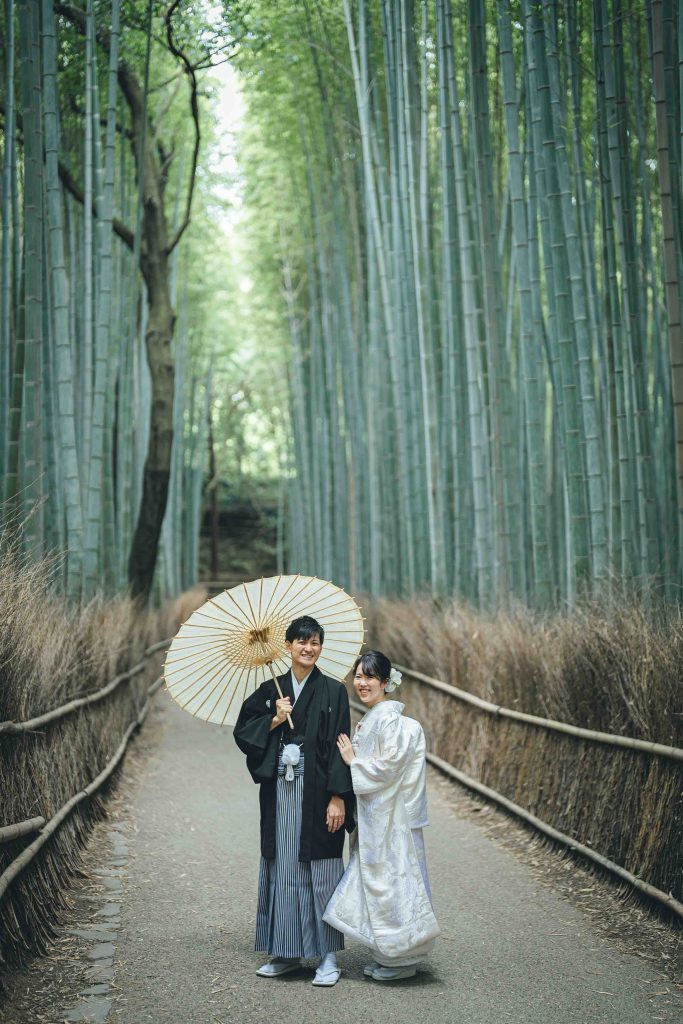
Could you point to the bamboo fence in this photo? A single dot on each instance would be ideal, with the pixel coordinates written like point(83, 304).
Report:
point(32, 724)
point(29, 911)
point(666, 899)
point(581, 735)
point(8, 833)
point(611, 739)
point(46, 830)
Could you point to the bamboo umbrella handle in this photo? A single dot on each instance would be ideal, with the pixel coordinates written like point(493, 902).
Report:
point(289, 717)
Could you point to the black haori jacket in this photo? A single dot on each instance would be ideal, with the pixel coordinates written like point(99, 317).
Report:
point(319, 715)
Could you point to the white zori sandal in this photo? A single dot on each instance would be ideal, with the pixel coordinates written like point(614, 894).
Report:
point(328, 974)
point(278, 966)
point(393, 973)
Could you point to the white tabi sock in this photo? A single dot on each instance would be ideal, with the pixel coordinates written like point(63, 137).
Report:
point(328, 963)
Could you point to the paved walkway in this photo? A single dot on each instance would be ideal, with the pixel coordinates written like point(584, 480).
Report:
point(172, 941)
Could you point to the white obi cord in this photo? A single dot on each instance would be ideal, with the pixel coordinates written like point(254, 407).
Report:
point(291, 753)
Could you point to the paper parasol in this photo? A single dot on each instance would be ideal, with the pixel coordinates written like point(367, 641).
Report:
point(236, 640)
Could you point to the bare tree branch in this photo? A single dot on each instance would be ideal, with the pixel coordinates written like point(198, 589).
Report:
point(71, 185)
point(194, 107)
point(205, 64)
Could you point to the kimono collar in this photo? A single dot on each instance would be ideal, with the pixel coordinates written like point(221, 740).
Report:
point(384, 708)
point(300, 708)
point(295, 682)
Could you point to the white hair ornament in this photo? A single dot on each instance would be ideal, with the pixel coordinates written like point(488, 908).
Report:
point(395, 678)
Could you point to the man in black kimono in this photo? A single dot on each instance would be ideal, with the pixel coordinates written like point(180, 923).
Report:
point(306, 800)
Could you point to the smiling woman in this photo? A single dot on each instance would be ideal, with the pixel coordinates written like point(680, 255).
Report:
point(384, 898)
point(371, 677)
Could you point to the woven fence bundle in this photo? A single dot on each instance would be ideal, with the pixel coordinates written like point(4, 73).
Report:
point(601, 671)
point(57, 664)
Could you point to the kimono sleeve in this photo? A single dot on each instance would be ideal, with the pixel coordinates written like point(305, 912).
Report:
point(338, 774)
point(372, 774)
point(254, 736)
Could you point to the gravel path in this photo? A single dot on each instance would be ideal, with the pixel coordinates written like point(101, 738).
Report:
point(171, 939)
point(510, 950)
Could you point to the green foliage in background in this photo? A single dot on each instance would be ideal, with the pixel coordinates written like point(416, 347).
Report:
point(469, 216)
point(77, 375)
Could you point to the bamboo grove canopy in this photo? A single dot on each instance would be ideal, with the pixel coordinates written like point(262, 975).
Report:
point(480, 238)
point(102, 412)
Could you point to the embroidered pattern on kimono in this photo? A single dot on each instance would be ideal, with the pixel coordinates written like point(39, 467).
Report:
point(382, 900)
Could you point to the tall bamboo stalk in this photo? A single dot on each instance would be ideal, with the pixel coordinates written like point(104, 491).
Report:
point(669, 186)
point(531, 338)
point(6, 290)
point(33, 207)
point(64, 368)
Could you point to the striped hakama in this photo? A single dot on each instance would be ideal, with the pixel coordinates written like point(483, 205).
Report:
point(292, 895)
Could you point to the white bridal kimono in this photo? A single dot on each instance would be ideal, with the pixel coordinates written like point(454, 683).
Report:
point(383, 898)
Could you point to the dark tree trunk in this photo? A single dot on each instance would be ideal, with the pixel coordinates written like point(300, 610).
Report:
point(157, 472)
point(156, 246)
point(154, 263)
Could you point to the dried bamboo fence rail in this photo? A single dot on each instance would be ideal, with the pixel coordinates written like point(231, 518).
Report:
point(8, 833)
point(27, 855)
point(32, 724)
point(572, 844)
point(612, 739)
point(99, 664)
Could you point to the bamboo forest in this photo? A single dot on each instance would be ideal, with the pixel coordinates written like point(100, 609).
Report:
point(341, 453)
point(433, 295)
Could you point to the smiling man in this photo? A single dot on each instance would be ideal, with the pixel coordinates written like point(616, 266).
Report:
point(306, 803)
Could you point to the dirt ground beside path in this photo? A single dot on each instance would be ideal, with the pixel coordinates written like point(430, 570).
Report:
point(163, 919)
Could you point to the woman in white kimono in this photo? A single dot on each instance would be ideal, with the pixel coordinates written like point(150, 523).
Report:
point(383, 899)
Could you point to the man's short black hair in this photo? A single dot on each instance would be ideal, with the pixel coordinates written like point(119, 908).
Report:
point(304, 628)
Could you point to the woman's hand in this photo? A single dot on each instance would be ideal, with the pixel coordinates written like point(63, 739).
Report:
point(345, 748)
point(283, 707)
